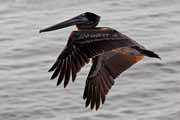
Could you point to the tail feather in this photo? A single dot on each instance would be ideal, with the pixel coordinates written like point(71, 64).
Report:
point(148, 53)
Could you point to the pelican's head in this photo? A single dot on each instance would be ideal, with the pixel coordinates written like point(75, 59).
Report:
point(86, 20)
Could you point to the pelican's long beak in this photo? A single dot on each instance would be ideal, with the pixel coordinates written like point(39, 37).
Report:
point(73, 21)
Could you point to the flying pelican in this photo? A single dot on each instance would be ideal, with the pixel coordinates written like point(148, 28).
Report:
point(111, 53)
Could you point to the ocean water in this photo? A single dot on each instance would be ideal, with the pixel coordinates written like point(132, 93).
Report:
point(150, 90)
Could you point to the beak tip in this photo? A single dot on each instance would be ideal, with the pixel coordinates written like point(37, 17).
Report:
point(40, 31)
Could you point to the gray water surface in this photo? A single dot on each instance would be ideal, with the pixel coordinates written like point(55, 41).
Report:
point(150, 90)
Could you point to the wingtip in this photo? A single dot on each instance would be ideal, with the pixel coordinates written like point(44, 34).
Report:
point(97, 108)
point(65, 85)
point(84, 97)
point(94, 108)
point(57, 84)
point(50, 70)
point(87, 104)
point(52, 77)
point(53, 67)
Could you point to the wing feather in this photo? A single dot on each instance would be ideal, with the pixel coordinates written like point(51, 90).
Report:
point(61, 75)
point(67, 75)
point(112, 64)
point(80, 49)
point(58, 68)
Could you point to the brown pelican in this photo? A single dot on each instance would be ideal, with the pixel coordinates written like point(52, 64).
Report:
point(111, 52)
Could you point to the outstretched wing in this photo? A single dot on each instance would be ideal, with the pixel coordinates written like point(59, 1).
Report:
point(82, 46)
point(104, 70)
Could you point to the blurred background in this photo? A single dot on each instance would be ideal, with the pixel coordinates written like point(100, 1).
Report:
point(150, 90)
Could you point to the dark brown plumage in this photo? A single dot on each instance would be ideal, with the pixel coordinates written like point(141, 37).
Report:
point(111, 52)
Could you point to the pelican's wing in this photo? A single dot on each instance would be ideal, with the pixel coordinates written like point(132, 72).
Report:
point(104, 70)
point(83, 45)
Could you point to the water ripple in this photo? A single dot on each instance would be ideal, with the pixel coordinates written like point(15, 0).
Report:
point(148, 91)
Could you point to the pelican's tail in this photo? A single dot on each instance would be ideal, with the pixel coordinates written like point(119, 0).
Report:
point(150, 54)
point(147, 52)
